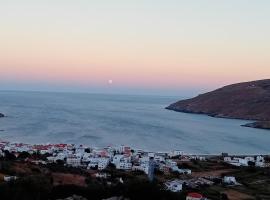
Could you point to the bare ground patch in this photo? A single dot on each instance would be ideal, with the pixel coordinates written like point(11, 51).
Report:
point(68, 179)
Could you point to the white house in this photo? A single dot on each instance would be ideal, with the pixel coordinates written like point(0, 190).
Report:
point(9, 178)
point(144, 159)
point(249, 158)
point(176, 153)
point(116, 159)
point(159, 158)
point(2, 153)
point(92, 165)
point(144, 167)
point(101, 175)
point(185, 171)
point(174, 186)
point(123, 149)
point(60, 156)
point(259, 159)
point(103, 163)
point(80, 149)
point(151, 154)
point(73, 161)
point(227, 159)
point(243, 162)
point(86, 157)
point(238, 162)
point(259, 164)
point(201, 158)
point(171, 163)
point(124, 165)
point(229, 180)
point(100, 163)
point(181, 171)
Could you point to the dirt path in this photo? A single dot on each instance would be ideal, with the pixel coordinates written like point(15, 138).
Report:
point(215, 173)
point(235, 195)
point(67, 179)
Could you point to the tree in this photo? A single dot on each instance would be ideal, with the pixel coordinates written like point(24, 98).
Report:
point(24, 155)
point(9, 156)
point(224, 196)
point(27, 188)
point(251, 164)
point(60, 162)
point(87, 150)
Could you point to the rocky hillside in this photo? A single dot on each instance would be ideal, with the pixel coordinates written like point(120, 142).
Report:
point(248, 100)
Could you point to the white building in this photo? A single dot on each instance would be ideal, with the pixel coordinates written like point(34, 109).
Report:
point(100, 163)
point(80, 149)
point(151, 154)
point(60, 156)
point(73, 161)
point(123, 149)
point(181, 171)
point(145, 167)
point(144, 159)
point(101, 175)
point(171, 163)
point(174, 186)
point(103, 163)
point(260, 161)
point(176, 153)
point(86, 157)
point(259, 164)
point(9, 178)
point(159, 158)
point(249, 158)
point(116, 159)
point(227, 159)
point(238, 162)
point(2, 153)
point(92, 165)
point(229, 180)
point(201, 158)
point(124, 165)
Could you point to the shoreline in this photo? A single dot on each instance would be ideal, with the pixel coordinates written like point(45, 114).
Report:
point(254, 123)
point(208, 155)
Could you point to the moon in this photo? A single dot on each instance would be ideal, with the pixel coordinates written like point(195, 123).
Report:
point(110, 81)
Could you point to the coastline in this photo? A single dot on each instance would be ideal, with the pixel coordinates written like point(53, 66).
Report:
point(259, 124)
point(253, 124)
point(183, 152)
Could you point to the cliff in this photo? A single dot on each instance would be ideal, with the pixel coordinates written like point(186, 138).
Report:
point(248, 100)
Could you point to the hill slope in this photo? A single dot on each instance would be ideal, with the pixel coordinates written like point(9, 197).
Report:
point(248, 100)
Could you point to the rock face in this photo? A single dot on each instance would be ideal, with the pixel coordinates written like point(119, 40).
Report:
point(260, 124)
point(2, 115)
point(248, 100)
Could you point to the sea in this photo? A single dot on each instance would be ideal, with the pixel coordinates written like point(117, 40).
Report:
point(139, 121)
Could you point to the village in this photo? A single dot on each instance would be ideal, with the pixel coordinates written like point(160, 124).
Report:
point(176, 170)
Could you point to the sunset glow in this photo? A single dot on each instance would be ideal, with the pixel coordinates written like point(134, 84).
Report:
point(151, 45)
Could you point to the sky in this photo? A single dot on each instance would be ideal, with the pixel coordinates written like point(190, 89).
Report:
point(132, 46)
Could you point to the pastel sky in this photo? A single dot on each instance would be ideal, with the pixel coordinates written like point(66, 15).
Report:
point(132, 46)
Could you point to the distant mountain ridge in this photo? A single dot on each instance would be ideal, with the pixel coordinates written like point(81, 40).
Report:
point(248, 100)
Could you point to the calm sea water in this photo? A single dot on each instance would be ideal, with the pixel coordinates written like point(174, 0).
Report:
point(139, 121)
